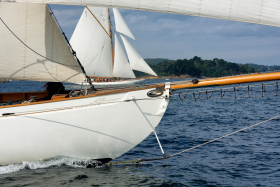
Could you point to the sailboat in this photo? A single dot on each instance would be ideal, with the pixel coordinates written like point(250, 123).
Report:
point(93, 42)
point(98, 125)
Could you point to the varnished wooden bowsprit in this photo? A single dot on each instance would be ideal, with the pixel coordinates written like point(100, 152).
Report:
point(227, 81)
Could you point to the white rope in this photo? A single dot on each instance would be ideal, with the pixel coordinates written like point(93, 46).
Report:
point(224, 136)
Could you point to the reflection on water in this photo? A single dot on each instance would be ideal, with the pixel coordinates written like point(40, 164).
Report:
point(249, 158)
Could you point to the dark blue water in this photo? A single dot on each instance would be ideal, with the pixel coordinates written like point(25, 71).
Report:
point(248, 158)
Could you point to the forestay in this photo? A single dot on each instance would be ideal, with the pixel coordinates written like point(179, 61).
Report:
point(266, 12)
point(32, 46)
point(92, 42)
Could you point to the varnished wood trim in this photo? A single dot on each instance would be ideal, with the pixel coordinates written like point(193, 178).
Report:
point(228, 80)
point(111, 37)
point(98, 93)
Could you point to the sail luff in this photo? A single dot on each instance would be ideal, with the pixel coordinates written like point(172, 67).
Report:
point(251, 11)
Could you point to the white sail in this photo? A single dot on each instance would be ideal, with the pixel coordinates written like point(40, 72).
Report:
point(135, 60)
point(120, 24)
point(121, 65)
point(264, 12)
point(92, 42)
point(32, 46)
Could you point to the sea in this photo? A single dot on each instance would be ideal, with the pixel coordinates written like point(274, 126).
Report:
point(247, 158)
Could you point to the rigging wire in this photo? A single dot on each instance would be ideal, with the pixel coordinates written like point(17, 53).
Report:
point(165, 157)
point(73, 52)
point(224, 136)
point(154, 98)
point(186, 150)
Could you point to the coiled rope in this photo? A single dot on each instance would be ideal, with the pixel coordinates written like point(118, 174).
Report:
point(162, 158)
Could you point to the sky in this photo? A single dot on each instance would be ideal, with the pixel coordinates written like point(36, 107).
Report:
point(172, 36)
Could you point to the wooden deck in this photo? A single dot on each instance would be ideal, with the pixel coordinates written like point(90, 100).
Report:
point(17, 97)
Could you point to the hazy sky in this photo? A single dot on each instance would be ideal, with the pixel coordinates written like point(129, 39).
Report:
point(171, 36)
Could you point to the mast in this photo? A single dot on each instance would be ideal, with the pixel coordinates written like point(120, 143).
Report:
point(112, 46)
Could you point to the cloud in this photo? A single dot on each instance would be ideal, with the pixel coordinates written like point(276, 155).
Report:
point(68, 17)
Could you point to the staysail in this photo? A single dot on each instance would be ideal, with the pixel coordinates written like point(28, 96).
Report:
point(121, 26)
point(32, 46)
point(136, 61)
point(265, 12)
point(92, 42)
point(121, 65)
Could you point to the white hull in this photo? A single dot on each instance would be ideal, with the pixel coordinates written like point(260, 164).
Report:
point(85, 128)
point(125, 82)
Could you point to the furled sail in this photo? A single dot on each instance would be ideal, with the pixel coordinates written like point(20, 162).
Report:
point(32, 46)
point(266, 12)
point(120, 24)
point(121, 65)
point(92, 42)
point(135, 60)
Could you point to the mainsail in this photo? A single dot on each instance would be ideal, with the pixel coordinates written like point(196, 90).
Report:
point(265, 12)
point(92, 42)
point(32, 46)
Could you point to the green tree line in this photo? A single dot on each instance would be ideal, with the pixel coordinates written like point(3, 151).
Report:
point(196, 67)
point(264, 68)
